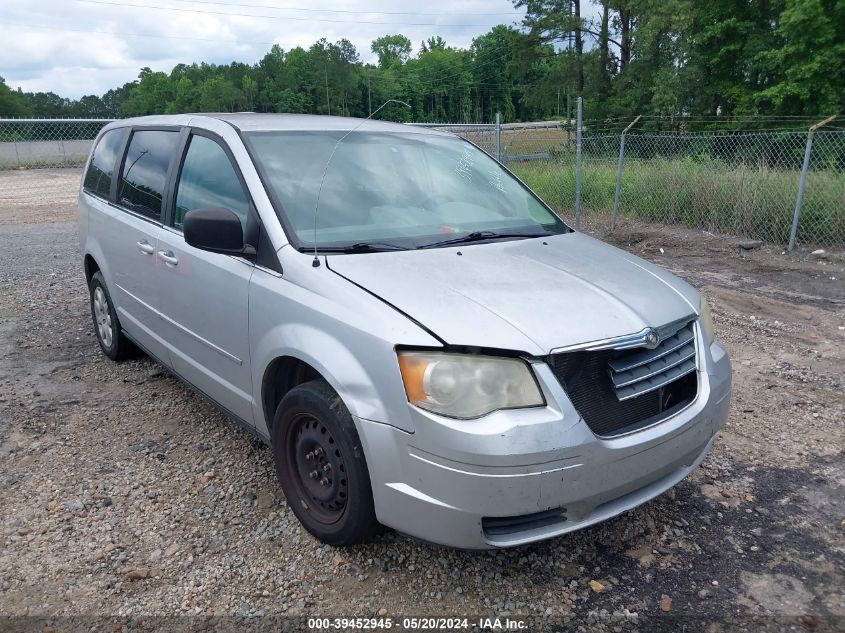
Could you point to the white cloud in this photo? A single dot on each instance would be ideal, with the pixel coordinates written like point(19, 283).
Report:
point(76, 47)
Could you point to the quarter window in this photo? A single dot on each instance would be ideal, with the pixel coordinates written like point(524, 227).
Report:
point(145, 171)
point(209, 180)
point(100, 169)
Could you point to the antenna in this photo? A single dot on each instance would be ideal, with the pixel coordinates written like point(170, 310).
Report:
point(316, 261)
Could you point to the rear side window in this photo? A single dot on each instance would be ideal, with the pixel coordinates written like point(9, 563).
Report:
point(145, 171)
point(208, 179)
point(98, 177)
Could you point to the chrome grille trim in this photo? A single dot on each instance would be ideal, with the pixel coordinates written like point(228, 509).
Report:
point(661, 380)
point(641, 372)
point(681, 338)
point(623, 379)
point(627, 341)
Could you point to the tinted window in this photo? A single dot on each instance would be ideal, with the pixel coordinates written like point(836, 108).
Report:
point(208, 180)
point(145, 171)
point(98, 176)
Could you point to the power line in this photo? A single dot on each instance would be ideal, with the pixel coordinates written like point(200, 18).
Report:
point(447, 78)
point(405, 79)
point(281, 17)
point(345, 11)
point(128, 34)
point(425, 78)
point(436, 77)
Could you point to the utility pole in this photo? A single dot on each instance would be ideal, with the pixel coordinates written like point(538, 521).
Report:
point(579, 46)
point(558, 102)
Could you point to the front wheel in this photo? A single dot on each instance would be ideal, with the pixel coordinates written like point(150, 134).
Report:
point(321, 467)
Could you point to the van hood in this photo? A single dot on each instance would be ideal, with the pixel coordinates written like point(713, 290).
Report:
point(531, 295)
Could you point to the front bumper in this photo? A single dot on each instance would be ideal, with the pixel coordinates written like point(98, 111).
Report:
point(450, 480)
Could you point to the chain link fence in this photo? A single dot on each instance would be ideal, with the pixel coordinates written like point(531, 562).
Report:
point(40, 143)
point(822, 218)
point(735, 183)
point(40, 166)
point(740, 183)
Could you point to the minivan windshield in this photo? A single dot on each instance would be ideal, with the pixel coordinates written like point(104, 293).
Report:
point(385, 191)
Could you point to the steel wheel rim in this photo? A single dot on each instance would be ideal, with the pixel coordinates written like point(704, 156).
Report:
point(102, 316)
point(317, 469)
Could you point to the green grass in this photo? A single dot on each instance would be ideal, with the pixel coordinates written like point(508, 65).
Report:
point(751, 201)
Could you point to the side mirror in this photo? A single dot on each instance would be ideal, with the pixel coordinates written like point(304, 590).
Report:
point(214, 229)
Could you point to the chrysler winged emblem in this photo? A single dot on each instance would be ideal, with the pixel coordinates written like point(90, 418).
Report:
point(652, 338)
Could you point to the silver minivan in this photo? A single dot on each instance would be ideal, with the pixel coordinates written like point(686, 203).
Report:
point(423, 343)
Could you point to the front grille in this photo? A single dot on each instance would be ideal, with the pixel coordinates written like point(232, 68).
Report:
point(619, 391)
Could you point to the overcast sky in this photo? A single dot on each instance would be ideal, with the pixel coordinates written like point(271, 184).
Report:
point(77, 47)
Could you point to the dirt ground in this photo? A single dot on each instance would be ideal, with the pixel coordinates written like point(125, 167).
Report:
point(125, 496)
point(36, 196)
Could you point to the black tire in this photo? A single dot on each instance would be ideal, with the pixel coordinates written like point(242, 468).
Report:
point(312, 427)
point(110, 336)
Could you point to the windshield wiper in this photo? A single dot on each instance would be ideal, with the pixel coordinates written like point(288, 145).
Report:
point(477, 236)
point(358, 247)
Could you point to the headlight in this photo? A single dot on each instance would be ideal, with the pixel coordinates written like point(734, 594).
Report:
point(706, 321)
point(467, 386)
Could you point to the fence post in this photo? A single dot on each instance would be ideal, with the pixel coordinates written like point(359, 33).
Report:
point(619, 173)
point(802, 180)
point(578, 116)
point(498, 136)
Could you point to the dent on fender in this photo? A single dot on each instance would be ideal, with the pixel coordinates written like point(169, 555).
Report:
point(337, 364)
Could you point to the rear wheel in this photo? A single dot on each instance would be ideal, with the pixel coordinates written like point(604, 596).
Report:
point(112, 340)
point(321, 467)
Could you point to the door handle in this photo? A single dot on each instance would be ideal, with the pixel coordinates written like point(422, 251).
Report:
point(169, 258)
point(145, 247)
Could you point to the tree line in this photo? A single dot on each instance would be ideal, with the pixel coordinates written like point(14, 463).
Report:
point(701, 61)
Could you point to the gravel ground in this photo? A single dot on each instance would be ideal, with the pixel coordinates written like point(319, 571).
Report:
point(125, 495)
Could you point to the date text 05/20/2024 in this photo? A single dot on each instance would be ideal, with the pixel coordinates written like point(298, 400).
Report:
point(418, 623)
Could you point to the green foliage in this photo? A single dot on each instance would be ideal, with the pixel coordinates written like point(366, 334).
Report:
point(807, 65)
point(658, 58)
point(218, 94)
point(391, 50)
point(12, 102)
point(151, 96)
